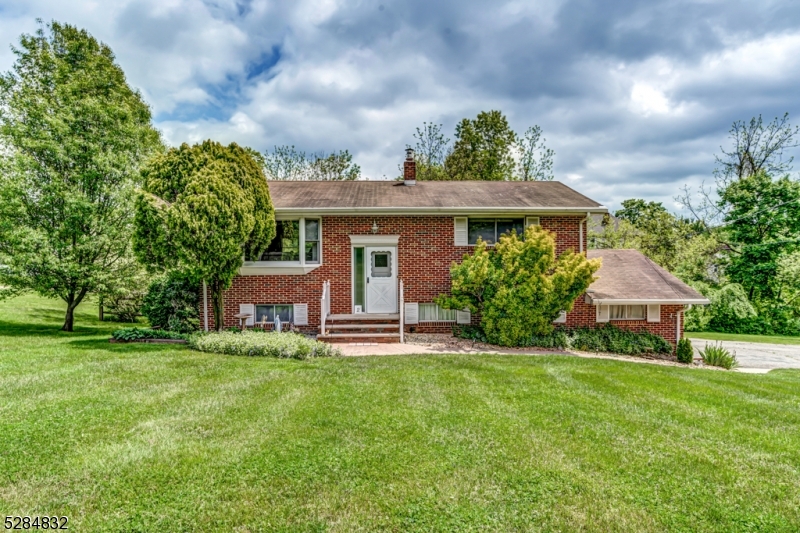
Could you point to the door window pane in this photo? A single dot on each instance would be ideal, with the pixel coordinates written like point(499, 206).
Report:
point(359, 278)
point(381, 265)
point(483, 228)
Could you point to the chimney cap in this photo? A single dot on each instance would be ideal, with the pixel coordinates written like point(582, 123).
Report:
point(409, 154)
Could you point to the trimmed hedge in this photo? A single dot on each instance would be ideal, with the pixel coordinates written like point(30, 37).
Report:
point(607, 338)
point(685, 352)
point(135, 334)
point(262, 344)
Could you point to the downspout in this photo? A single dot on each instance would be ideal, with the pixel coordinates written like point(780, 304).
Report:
point(205, 306)
point(580, 231)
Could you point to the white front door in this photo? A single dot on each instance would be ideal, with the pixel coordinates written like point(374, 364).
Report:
point(381, 279)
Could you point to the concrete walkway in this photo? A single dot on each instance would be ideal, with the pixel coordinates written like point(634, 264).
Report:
point(753, 357)
point(756, 356)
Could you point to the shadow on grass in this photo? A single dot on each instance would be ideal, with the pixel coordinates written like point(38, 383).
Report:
point(123, 347)
point(21, 329)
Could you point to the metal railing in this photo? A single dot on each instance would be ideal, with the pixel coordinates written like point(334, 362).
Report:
point(402, 312)
point(325, 305)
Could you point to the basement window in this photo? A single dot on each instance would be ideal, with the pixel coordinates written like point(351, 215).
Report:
point(434, 313)
point(266, 313)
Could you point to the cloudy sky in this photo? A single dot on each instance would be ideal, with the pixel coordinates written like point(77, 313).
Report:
point(635, 96)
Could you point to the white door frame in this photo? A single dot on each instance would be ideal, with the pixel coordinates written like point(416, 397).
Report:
point(373, 282)
point(367, 241)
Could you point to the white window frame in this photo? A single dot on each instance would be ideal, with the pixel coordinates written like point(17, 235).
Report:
point(260, 268)
point(626, 307)
point(438, 308)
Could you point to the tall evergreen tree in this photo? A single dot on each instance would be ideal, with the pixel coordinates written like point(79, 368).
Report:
point(202, 209)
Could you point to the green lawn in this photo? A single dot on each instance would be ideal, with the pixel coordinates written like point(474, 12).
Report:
point(158, 438)
point(771, 339)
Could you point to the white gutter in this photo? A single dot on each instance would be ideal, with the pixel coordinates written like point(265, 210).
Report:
point(435, 210)
point(611, 301)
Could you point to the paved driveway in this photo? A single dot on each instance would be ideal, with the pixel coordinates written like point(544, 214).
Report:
point(757, 355)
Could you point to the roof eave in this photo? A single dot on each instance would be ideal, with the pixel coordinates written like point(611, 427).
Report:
point(663, 301)
point(435, 210)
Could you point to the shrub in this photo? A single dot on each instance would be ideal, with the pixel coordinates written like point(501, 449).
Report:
point(270, 344)
point(608, 338)
point(519, 286)
point(135, 334)
point(716, 355)
point(685, 352)
point(173, 303)
point(557, 339)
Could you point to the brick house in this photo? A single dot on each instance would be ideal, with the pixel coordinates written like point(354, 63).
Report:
point(364, 259)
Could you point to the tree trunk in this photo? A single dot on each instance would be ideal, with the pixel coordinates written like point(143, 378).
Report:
point(100, 310)
point(72, 302)
point(69, 320)
point(218, 302)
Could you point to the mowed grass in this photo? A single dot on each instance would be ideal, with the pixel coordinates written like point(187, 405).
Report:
point(769, 339)
point(158, 438)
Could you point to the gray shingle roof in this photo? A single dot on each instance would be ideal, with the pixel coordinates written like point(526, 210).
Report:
point(629, 275)
point(427, 195)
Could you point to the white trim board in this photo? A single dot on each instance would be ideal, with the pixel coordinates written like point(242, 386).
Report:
point(361, 240)
point(609, 301)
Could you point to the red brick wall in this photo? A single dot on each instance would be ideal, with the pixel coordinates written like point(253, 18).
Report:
point(583, 315)
point(425, 251)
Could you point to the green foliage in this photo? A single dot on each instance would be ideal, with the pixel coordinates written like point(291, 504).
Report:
point(672, 242)
point(482, 149)
point(288, 163)
point(728, 310)
point(74, 135)
point(430, 152)
point(202, 209)
point(763, 224)
point(265, 344)
point(135, 334)
point(685, 352)
point(519, 287)
point(124, 299)
point(535, 159)
point(172, 303)
point(606, 338)
point(612, 339)
point(716, 355)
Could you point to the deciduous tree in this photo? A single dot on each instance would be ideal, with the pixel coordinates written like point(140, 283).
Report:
point(483, 149)
point(74, 135)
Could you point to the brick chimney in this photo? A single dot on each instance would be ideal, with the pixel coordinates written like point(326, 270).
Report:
point(409, 168)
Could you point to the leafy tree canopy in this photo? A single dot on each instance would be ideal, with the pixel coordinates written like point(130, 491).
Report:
point(74, 135)
point(202, 209)
point(289, 164)
point(482, 149)
point(520, 286)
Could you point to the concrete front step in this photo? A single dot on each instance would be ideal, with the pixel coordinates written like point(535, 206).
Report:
point(362, 326)
point(359, 337)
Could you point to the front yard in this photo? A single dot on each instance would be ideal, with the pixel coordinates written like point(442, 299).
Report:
point(140, 437)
